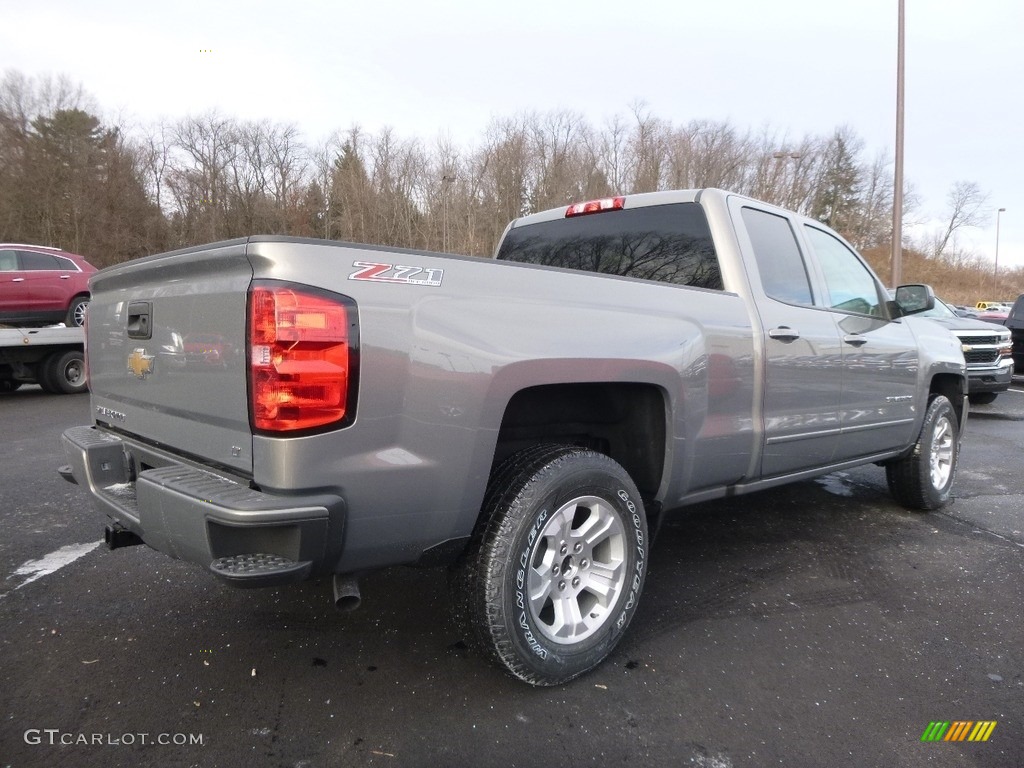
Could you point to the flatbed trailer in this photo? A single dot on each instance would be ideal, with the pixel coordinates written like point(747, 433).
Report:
point(52, 357)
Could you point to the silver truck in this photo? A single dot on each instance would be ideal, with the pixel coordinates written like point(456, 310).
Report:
point(524, 421)
point(987, 352)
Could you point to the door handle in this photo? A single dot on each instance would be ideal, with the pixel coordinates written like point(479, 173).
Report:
point(17, 279)
point(65, 277)
point(784, 333)
point(855, 339)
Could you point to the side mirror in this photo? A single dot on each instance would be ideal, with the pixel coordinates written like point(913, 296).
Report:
point(911, 299)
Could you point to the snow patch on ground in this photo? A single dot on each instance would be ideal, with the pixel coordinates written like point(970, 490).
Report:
point(836, 484)
point(44, 566)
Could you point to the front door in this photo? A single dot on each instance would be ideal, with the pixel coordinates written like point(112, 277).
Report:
point(880, 356)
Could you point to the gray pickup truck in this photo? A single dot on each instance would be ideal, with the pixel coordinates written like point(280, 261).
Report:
point(275, 409)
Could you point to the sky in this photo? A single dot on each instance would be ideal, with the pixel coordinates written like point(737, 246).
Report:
point(448, 67)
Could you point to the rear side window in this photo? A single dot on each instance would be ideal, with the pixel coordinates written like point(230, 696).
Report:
point(783, 273)
point(66, 265)
point(34, 262)
point(668, 243)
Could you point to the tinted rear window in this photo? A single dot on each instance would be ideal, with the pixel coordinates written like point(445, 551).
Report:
point(667, 243)
point(32, 261)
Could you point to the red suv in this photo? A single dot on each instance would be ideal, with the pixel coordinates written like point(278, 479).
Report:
point(41, 285)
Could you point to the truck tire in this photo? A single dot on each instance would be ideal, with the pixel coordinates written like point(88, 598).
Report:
point(76, 312)
point(983, 398)
point(924, 479)
point(553, 575)
point(64, 373)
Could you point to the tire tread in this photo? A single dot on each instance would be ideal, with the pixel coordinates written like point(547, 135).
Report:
point(476, 582)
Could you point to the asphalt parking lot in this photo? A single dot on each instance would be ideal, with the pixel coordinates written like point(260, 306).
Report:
point(814, 625)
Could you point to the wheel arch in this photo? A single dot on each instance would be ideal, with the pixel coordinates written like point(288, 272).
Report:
point(81, 296)
point(954, 388)
point(626, 421)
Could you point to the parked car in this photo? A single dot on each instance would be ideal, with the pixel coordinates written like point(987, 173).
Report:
point(963, 311)
point(993, 315)
point(1015, 324)
point(987, 305)
point(986, 347)
point(40, 285)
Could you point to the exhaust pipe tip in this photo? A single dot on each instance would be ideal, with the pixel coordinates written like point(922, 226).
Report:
point(116, 537)
point(346, 592)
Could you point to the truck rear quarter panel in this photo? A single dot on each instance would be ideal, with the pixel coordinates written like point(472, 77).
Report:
point(440, 363)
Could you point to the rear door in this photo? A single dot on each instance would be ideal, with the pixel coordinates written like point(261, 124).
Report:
point(803, 354)
point(48, 284)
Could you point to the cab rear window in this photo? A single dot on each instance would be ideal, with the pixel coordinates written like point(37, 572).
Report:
point(667, 243)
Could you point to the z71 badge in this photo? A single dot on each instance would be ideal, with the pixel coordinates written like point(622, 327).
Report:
point(396, 273)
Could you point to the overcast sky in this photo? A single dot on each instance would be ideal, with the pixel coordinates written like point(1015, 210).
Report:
point(449, 66)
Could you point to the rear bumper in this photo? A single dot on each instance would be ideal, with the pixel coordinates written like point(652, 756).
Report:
point(244, 536)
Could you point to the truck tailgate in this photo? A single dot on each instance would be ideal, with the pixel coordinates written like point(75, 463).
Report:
point(166, 352)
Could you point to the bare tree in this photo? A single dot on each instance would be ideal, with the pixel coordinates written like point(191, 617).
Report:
point(612, 153)
point(648, 150)
point(966, 201)
point(207, 145)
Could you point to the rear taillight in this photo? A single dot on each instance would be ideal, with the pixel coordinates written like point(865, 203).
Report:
point(85, 347)
point(302, 358)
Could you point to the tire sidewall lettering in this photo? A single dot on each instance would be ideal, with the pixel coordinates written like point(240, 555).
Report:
point(628, 511)
point(523, 622)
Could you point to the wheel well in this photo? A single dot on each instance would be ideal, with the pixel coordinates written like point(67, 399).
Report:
point(953, 388)
point(623, 421)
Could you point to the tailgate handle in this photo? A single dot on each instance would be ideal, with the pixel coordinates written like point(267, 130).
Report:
point(140, 325)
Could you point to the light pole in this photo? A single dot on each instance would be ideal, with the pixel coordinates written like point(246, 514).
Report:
point(783, 157)
point(897, 187)
point(995, 271)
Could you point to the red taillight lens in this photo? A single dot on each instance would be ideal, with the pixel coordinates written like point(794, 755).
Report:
point(595, 206)
point(301, 358)
point(85, 347)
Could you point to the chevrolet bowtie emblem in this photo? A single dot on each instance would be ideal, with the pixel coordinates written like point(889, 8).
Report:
point(140, 363)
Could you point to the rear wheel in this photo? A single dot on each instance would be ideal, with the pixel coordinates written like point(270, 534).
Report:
point(552, 579)
point(924, 479)
point(76, 312)
point(64, 373)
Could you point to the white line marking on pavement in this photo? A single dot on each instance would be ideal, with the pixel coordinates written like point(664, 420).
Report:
point(44, 566)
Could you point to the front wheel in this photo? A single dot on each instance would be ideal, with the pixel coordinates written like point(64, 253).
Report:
point(553, 578)
point(983, 398)
point(924, 479)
